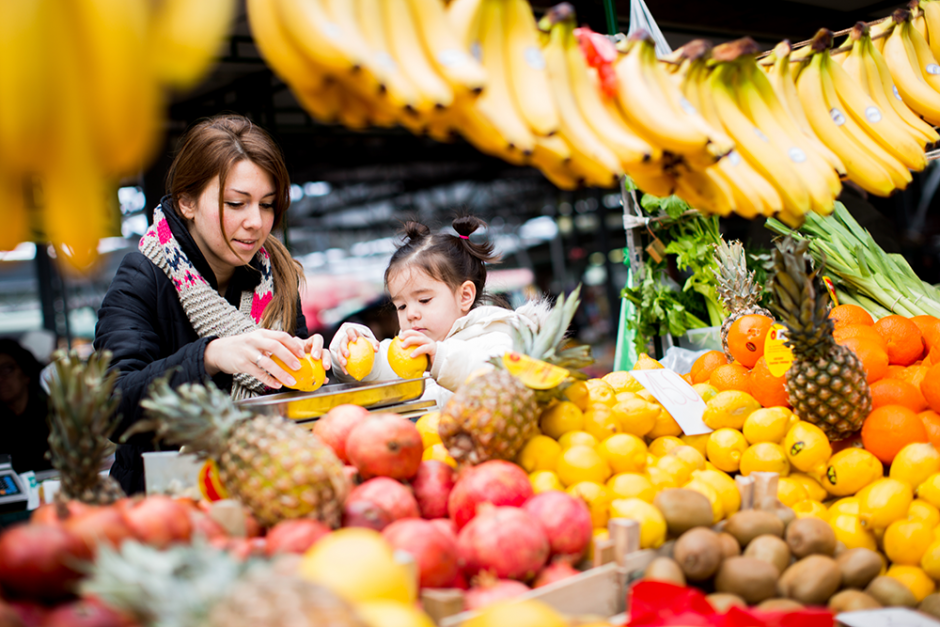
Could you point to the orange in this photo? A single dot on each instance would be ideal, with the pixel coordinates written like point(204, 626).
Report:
point(861, 331)
point(890, 428)
point(929, 329)
point(746, 338)
point(687, 377)
point(850, 314)
point(905, 341)
point(730, 377)
point(874, 358)
point(770, 391)
point(930, 387)
point(703, 366)
point(897, 392)
point(895, 372)
point(931, 420)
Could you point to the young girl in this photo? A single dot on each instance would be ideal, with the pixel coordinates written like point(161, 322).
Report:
point(436, 283)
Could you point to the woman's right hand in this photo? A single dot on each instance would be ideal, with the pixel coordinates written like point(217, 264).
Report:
point(340, 344)
point(251, 354)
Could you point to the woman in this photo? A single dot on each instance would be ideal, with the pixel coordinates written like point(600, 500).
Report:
point(23, 409)
point(211, 293)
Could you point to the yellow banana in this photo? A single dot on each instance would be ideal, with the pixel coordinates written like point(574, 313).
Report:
point(464, 18)
point(880, 33)
point(653, 178)
point(878, 72)
point(452, 60)
point(931, 10)
point(527, 72)
point(369, 81)
point(310, 27)
point(323, 103)
point(925, 59)
point(280, 53)
point(552, 156)
point(918, 24)
point(704, 190)
point(404, 44)
point(186, 36)
point(908, 78)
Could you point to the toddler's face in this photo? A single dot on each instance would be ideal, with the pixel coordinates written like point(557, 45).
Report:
point(424, 304)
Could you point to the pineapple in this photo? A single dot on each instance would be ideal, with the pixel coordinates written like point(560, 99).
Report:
point(81, 419)
point(278, 469)
point(736, 288)
point(827, 383)
point(494, 414)
point(186, 586)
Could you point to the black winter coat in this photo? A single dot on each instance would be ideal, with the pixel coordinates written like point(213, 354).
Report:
point(143, 324)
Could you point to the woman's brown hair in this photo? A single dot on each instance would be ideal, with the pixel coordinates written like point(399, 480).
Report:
point(210, 149)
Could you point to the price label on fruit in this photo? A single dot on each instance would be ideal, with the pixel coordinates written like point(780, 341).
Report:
point(778, 355)
point(210, 484)
point(533, 373)
point(678, 397)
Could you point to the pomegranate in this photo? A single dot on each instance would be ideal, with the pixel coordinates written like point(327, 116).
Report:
point(86, 613)
point(30, 614)
point(205, 526)
point(294, 536)
point(159, 521)
point(565, 519)
point(506, 541)
point(36, 561)
point(392, 496)
point(9, 617)
point(253, 528)
point(385, 445)
point(334, 427)
point(352, 475)
point(556, 571)
point(495, 481)
point(488, 590)
point(55, 513)
point(99, 524)
point(446, 525)
point(434, 551)
point(365, 514)
point(432, 486)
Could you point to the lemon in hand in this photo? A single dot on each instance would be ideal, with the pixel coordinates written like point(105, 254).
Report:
point(310, 376)
point(361, 358)
point(401, 361)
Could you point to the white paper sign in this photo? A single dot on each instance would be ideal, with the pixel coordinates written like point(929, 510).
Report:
point(677, 396)
point(890, 617)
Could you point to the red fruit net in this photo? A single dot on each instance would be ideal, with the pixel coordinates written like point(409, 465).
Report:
point(600, 54)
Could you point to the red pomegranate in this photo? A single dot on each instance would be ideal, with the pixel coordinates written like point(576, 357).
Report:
point(446, 525)
point(565, 519)
point(556, 571)
point(334, 427)
point(432, 486)
point(365, 514)
point(159, 521)
point(294, 536)
point(352, 474)
point(488, 590)
point(9, 617)
point(99, 524)
point(392, 496)
point(505, 541)
point(206, 526)
point(434, 551)
point(86, 613)
point(36, 561)
point(496, 482)
point(55, 513)
point(385, 445)
point(30, 613)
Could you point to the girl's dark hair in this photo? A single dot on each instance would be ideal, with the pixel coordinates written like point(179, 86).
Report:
point(451, 259)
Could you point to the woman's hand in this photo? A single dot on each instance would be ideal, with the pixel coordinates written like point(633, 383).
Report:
point(251, 354)
point(340, 345)
point(424, 344)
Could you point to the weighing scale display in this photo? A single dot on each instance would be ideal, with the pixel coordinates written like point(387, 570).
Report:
point(8, 487)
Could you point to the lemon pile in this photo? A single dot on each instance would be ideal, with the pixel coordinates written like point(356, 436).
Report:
point(431, 439)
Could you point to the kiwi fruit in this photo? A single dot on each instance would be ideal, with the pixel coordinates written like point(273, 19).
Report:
point(664, 569)
point(747, 525)
point(812, 580)
point(890, 592)
point(723, 601)
point(859, 566)
point(698, 553)
point(729, 546)
point(785, 514)
point(810, 536)
point(684, 509)
point(779, 605)
point(930, 605)
point(751, 579)
point(852, 601)
point(770, 549)
point(840, 548)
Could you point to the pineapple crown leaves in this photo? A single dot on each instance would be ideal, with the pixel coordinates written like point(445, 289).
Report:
point(801, 300)
point(736, 284)
point(200, 416)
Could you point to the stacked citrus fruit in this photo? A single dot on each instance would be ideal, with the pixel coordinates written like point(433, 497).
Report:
point(431, 440)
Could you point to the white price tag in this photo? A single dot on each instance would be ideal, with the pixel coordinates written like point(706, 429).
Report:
point(677, 396)
point(889, 617)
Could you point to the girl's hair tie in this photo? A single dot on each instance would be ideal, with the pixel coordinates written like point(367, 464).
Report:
point(464, 236)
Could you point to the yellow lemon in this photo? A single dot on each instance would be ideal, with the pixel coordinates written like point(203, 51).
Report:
point(361, 358)
point(599, 391)
point(597, 497)
point(661, 446)
point(439, 452)
point(545, 480)
point(711, 466)
point(882, 502)
point(724, 486)
point(706, 391)
point(929, 490)
point(922, 510)
point(309, 377)
point(578, 394)
point(392, 614)
point(622, 397)
point(645, 362)
point(427, 426)
point(539, 453)
point(915, 463)
point(848, 471)
point(623, 453)
point(849, 531)
point(651, 459)
point(930, 561)
point(582, 463)
point(680, 470)
point(689, 455)
point(807, 447)
point(914, 578)
point(848, 505)
point(647, 396)
point(561, 418)
point(665, 425)
point(527, 613)
point(765, 457)
point(725, 448)
point(660, 479)
point(729, 409)
point(790, 491)
point(637, 416)
point(698, 442)
point(621, 381)
point(652, 523)
point(577, 438)
point(697, 485)
point(808, 508)
point(769, 424)
point(600, 421)
point(906, 541)
point(813, 488)
point(631, 485)
point(402, 363)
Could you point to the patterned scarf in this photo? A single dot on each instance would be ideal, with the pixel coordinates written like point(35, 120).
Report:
point(208, 312)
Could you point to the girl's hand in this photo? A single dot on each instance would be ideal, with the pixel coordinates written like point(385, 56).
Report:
point(424, 344)
point(340, 345)
point(251, 354)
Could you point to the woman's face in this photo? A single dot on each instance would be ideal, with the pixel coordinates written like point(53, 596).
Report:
point(249, 197)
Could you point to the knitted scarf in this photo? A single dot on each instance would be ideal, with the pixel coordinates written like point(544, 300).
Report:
point(208, 312)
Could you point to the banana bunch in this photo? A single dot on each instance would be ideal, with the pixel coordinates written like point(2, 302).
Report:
point(83, 106)
point(912, 64)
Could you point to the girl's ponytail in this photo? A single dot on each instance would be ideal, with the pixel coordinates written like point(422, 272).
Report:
point(465, 227)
